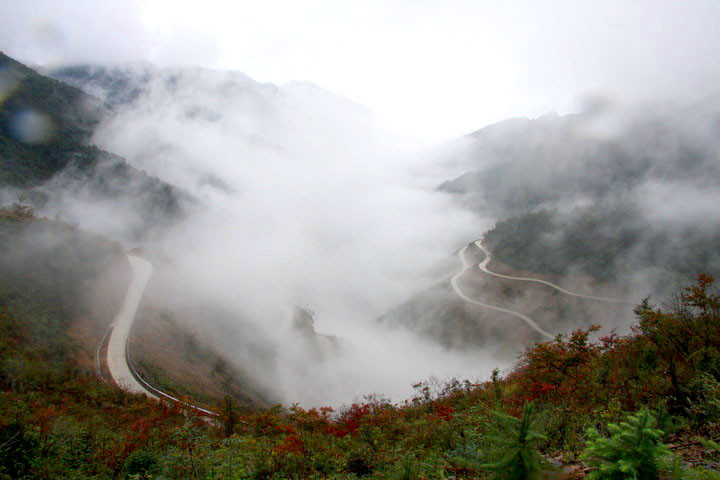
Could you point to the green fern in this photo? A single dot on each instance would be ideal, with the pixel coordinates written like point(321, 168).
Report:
point(633, 450)
point(516, 441)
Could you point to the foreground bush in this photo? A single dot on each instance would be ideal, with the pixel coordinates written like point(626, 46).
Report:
point(633, 450)
point(517, 439)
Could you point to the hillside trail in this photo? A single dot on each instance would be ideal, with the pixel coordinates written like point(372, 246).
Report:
point(483, 267)
point(454, 281)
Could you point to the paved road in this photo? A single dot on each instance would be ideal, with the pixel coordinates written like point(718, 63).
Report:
point(116, 358)
point(454, 282)
point(483, 267)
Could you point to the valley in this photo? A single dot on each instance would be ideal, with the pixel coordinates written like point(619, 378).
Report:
point(203, 275)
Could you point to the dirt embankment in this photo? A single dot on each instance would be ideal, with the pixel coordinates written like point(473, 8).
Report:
point(175, 359)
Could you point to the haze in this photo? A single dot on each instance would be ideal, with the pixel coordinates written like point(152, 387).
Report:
point(429, 70)
point(308, 178)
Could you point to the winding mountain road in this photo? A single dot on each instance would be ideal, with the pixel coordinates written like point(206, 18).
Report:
point(483, 267)
point(117, 345)
point(121, 369)
point(454, 281)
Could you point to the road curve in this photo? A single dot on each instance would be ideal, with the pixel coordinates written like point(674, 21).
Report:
point(118, 359)
point(116, 350)
point(454, 282)
point(483, 267)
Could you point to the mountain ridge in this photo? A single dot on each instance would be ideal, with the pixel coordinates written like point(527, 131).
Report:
point(61, 160)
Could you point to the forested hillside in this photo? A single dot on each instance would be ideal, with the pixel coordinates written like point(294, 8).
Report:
point(44, 125)
point(554, 413)
point(45, 153)
point(385, 240)
point(60, 288)
point(608, 193)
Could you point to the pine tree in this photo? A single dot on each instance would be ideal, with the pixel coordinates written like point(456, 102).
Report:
point(517, 439)
point(229, 416)
point(496, 385)
point(633, 450)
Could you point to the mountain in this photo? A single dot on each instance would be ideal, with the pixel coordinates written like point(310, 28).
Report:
point(60, 288)
point(124, 85)
point(44, 125)
point(59, 421)
point(607, 202)
point(608, 192)
point(175, 116)
point(568, 197)
point(116, 86)
point(45, 154)
point(64, 285)
point(523, 164)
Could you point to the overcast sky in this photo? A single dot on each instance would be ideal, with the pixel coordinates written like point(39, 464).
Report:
point(428, 69)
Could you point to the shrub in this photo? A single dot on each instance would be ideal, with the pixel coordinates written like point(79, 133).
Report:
point(141, 463)
point(516, 439)
point(703, 399)
point(633, 450)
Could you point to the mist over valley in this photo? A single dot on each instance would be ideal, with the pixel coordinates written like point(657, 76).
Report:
point(288, 273)
point(287, 196)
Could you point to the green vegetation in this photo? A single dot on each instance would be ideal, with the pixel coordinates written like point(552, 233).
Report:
point(48, 270)
point(70, 117)
point(517, 439)
point(606, 241)
point(609, 206)
point(633, 450)
point(592, 239)
point(614, 402)
point(58, 421)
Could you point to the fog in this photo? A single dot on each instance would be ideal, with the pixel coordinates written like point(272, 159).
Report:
point(274, 194)
point(297, 199)
point(307, 245)
point(292, 195)
point(622, 193)
point(431, 70)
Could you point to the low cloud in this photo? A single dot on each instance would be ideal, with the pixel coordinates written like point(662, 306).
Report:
point(300, 199)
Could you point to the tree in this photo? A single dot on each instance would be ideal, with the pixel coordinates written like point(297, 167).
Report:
point(516, 440)
point(496, 386)
point(689, 331)
point(633, 450)
point(229, 415)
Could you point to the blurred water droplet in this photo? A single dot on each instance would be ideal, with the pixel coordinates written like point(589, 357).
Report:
point(32, 127)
